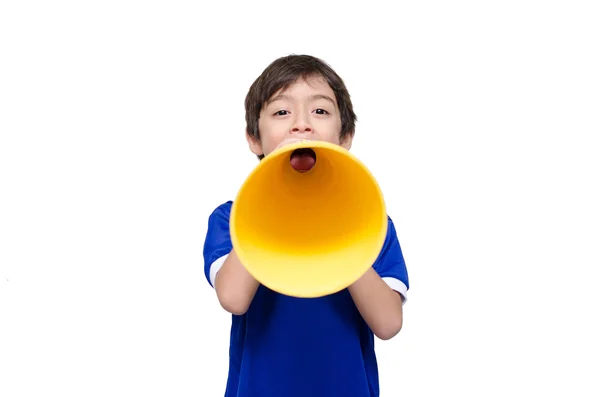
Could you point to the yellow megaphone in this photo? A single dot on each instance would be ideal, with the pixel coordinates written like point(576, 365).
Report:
point(309, 234)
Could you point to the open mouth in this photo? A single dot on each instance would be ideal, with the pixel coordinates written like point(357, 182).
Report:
point(302, 160)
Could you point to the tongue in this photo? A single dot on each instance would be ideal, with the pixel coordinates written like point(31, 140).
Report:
point(303, 160)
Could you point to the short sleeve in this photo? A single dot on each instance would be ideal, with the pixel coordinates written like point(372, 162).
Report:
point(390, 264)
point(217, 244)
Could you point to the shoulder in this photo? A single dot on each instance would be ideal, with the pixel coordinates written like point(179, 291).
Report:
point(222, 209)
point(220, 215)
point(218, 225)
point(217, 242)
point(391, 230)
point(391, 241)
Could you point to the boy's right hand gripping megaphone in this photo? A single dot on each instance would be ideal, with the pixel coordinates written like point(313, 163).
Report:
point(309, 234)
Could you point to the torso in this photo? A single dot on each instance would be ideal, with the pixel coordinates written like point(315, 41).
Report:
point(288, 347)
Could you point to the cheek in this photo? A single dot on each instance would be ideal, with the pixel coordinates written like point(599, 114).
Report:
point(270, 139)
point(334, 139)
point(268, 132)
point(330, 131)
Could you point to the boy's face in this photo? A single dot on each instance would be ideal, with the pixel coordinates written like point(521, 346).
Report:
point(307, 109)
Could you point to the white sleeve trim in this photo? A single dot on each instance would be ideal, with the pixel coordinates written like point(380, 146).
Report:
point(398, 286)
point(215, 267)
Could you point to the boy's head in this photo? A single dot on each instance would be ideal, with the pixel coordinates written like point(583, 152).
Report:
point(298, 96)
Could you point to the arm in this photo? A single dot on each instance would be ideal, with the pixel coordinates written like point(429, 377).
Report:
point(380, 293)
point(234, 285)
point(379, 305)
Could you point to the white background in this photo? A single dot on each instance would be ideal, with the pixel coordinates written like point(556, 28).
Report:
point(122, 128)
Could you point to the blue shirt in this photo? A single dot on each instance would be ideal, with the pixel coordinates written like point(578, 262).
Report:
point(296, 347)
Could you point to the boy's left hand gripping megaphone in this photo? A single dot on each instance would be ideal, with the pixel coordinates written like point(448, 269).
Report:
point(309, 234)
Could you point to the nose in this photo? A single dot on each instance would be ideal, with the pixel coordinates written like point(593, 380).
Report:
point(300, 126)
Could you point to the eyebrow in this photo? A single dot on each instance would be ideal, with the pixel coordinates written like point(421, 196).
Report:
point(312, 98)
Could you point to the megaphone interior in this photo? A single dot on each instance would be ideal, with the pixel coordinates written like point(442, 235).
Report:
point(309, 234)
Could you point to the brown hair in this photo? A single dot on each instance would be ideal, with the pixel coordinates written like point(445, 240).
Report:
point(283, 72)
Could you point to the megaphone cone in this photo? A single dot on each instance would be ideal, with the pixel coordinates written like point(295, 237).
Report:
point(309, 234)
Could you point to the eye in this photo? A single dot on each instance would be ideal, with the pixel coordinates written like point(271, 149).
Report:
point(280, 113)
point(321, 111)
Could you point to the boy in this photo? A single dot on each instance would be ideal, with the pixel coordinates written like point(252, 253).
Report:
point(282, 346)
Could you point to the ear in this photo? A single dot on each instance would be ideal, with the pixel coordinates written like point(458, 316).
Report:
point(346, 141)
point(254, 144)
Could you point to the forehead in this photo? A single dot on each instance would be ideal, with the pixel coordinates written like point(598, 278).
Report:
point(303, 87)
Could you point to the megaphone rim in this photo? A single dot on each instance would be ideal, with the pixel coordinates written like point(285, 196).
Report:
point(273, 157)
